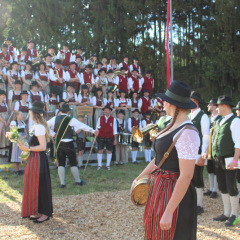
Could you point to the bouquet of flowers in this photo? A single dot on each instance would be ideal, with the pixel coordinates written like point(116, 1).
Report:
point(14, 137)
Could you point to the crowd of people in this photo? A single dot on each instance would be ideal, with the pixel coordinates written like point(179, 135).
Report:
point(121, 98)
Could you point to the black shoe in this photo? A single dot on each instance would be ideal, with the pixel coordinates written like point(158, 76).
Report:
point(135, 162)
point(82, 167)
point(230, 221)
point(214, 195)
point(62, 186)
point(36, 221)
point(221, 218)
point(199, 210)
point(207, 193)
point(34, 218)
point(79, 183)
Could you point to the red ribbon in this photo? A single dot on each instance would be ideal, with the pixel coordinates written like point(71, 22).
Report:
point(167, 49)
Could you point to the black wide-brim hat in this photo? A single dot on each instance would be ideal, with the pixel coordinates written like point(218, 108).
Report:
point(197, 96)
point(5, 45)
point(213, 101)
point(2, 92)
point(58, 61)
point(37, 107)
point(136, 110)
point(85, 86)
point(178, 94)
point(148, 112)
point(65, 107)
point(225, 100)
point(72, 63)
point(89, 66)
point(34, 83)
point(121, 112)
point(24, 49)
point(24, 92)
point(107, 107)
point(237, 107)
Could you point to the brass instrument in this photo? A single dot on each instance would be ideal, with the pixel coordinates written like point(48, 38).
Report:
point(155, 114)
point(115, 87)
point(117, 73)
point(139, 133)
point(89, 85)
point(37, 59)
point(100, 83)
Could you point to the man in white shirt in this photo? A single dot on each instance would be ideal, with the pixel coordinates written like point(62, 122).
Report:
point(226, 153)
point(64, 141)
point(107, 137)
point(201, 122)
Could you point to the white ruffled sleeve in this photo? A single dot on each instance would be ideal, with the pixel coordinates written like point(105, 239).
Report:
point(39, 130)
point(188, 145)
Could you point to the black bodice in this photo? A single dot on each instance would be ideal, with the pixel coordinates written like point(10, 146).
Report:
point(33, 141)
point(161, 146)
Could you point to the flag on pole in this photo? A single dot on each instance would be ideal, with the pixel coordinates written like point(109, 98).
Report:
point(167, 49)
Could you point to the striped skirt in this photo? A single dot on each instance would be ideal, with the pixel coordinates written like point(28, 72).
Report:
point(184, 224)
point(37, 193)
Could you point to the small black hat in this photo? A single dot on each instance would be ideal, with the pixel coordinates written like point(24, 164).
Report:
point(24, 49)
point(107, 107)
point(37, 107)
point(136, 110)
point(225, 100)
point(58, 61)
point(99, 89)
point(71, 84)
point(29, 63)
point(146, 90)
point(109, 91)
point(101, 70)
point(48, 55)
point(135, 70)
point(148, 112)
point(135, 91)
point(178, 94)
point(24, 92)
point(79, 47)
point(197, 96)
point(79, 56)
point(31, 41)
point(213, 101)
point(122, 68)
point(122, 90)
point(72, 63)
point(99, 63)
point(89, 66)
point(125, 56)
point(148, 72)
point(65, 108)
point(110, 71)
point(34, 83)
point(122, 112)
point(113, 57)
point(13, 63)
point(51, 46)
point(237, 106)
point(105, 57)
point(85, 86)
point(66, 44)
point(136, 58)
point(5, 45)
point(2, 92)
point(17, 82)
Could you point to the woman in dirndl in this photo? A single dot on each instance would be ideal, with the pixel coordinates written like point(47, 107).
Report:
point(14, 95)
point(37, 192)
point(52, 101)
point(3, 123)
point(27, 76)
point(70, 97)
point(42, 78)
point(16, 151)
point(12, 75)
point(112, 102)
point(170, 211)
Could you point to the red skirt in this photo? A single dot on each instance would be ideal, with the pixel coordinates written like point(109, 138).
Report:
point(31, 185)
point(161, 189)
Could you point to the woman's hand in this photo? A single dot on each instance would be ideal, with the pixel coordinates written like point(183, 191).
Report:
point(166, 221)
point(23, 148)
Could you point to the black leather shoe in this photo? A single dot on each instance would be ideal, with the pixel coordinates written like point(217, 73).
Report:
point(207, 193)
point(34, 218)
point(214, 195)
point(79, 183)
point(199, 210)
point(135, 162)
point(230, 221)
point(36, 221)
point(221, 218)
point(62, 186)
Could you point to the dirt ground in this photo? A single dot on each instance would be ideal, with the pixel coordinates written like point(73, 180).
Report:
point(100, 216)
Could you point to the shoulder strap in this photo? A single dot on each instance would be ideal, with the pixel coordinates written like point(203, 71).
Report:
point(166, 154)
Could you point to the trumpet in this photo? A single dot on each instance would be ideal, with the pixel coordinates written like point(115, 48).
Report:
point(37, 59)
point(138, 134)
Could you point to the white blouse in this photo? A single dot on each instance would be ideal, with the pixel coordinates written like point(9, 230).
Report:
point(39, 129)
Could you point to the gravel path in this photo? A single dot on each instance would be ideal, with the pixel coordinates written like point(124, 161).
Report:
point(100, 216)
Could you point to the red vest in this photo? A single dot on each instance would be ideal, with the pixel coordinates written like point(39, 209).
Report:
point(106, 130)
point(77, 69)
point(134, 105)
point(35, 97)
point(5, 57)
point(42, 77)
point(29, 76)
point(13, 75)
point(53, 101)
point(16, 97)
point(25, 59)
point(23, 108)
point(74, 75)
point(145, 104)
point(123, 103)
point(83, 58)
point(134, 66)
point(135, 83)
point(30, 54)
point(3, 109)
point(11, 50)
point(148, 84)
point(99, 102)
point(67, 58)
point(84, 99)
point(135, 122)
point(123, 83)
point(125, 65)
point(87, 77)
point(60, 76)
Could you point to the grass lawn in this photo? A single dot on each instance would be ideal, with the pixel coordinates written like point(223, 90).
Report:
point(119, 178)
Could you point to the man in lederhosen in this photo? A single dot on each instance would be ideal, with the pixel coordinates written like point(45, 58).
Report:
point(62, 127)
point(226, 153)
point(212, 191)
point(201, 122)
